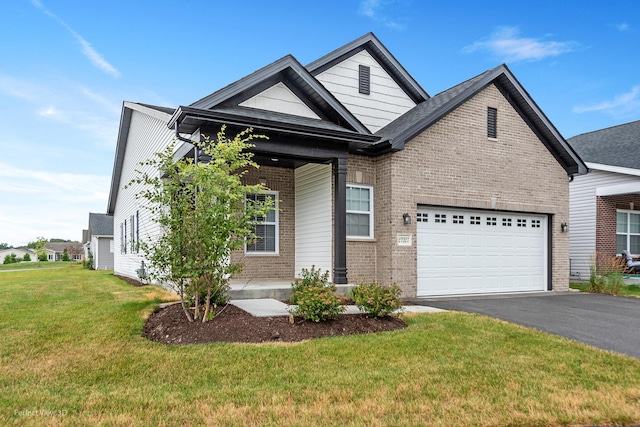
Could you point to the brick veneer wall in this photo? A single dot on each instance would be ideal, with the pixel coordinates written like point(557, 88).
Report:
point(606, 220)
point(453, 163)
point(281, 266)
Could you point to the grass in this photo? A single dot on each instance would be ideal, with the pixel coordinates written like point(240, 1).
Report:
point(23, 265)
point(626, 290)
point(71, 354)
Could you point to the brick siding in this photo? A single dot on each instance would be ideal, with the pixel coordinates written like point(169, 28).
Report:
point(606, 220)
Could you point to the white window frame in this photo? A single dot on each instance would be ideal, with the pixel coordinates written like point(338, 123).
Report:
point(370, 212)
point(276, 206)
point(628, 232)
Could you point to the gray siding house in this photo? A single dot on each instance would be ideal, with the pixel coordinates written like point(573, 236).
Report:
point(463, 192)
point(605, 204)
point(99, 241)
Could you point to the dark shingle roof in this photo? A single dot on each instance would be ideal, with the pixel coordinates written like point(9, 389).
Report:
point(614, 146)
point(100, 224)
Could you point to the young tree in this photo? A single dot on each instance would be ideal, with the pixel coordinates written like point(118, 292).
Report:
point(65, 255)
point(201, 210)
point(41, 250)
point(26, 257)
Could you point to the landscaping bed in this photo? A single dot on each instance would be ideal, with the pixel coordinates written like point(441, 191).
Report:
point(169, 325)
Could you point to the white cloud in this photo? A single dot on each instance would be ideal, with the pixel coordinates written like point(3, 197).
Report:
point(377, 10)
point(622, 27)
point(626, 104)
point(87, 50)
point(507, 44)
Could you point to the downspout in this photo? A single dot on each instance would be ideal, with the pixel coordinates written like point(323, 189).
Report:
point(196, 150)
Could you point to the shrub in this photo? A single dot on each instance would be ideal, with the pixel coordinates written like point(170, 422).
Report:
point(65, 255)
point(377, 300)
point(318, 303)
point(219, 294)
point(88, 262)
point(610, 284)
point(26, 258)
point(310, 279)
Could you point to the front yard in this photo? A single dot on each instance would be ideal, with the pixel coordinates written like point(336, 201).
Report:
point(71, 353)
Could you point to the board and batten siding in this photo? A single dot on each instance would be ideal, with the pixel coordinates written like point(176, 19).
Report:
point(313, 217)
point(148, 134)
point(386, 101)
point(582, 216)
point(280, 99)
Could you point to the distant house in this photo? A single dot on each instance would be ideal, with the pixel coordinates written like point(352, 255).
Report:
point(56, 249)
point(463, 192)
point(98, 239)
point(605, 204)
point(19, 252)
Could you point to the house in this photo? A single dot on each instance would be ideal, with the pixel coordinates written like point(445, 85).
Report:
point(463, 192)
point(55, 251)
point(98, 241)
point(605, 204)
point(19, 253)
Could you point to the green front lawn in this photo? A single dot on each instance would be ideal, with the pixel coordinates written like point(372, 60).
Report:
point(22, 265)
point(627, 290)
point(71, 353)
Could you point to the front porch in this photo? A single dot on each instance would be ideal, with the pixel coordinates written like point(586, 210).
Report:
point(266, 288)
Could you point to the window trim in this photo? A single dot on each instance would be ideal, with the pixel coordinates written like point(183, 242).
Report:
point(276, 209)
point(628, 233)
point(370, 212)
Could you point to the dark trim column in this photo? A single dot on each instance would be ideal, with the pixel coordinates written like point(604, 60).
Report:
point(340, 221)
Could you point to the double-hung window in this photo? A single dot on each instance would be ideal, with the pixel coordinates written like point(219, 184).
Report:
point(265, 227)
point(628, 232)
point(359, 211)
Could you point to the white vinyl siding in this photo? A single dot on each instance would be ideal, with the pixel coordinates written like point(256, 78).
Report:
point(386, 100)
point(265, 228)
point(582, 215)
point(281, 99)
point(148, 135)
point(313, 215)
point(359, 211)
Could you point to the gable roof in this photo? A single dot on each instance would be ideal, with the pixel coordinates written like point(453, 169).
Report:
point(285, 70)
point(614, 146)
point(61, 246)
point(430, 111)
point(379, 52)
point(161, 113)
point(100, 224)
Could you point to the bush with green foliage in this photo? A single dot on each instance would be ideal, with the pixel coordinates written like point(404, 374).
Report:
point(26, 257)
point(88, 263)
point(309, 279)
point(318, 304)
point(377, 300)
point(196, 296)
point(65, 255)
point(11, 259)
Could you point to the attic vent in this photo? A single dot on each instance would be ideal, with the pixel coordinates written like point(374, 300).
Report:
point(364, 79)
point(492, 122)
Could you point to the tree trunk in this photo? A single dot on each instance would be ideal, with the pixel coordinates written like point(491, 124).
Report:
point(207, 305)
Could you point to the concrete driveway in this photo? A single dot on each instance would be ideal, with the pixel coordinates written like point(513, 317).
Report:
point(603, 321)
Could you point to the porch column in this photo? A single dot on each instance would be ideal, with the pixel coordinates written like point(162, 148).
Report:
point(340, 221)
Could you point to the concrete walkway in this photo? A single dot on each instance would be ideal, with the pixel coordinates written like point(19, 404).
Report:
point(269, 307)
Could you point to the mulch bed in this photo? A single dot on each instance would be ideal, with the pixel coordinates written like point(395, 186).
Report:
point(169, 325)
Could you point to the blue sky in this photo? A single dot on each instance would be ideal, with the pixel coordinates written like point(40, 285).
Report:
point(67, 66)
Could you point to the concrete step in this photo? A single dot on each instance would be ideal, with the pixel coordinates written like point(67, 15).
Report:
point(277, 289)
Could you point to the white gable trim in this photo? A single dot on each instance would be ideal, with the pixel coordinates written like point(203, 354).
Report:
point(280, 99)
point(615, 169)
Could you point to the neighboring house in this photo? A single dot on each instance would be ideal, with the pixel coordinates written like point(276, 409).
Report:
point(98, 239)
point(460, 193)
point(19, 252)
point(56, 249)
point(605, 204)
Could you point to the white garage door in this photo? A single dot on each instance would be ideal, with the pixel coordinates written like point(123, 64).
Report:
point(475, 252)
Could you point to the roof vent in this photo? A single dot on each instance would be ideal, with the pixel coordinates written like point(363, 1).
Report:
point(364, 80)
point(492, 122)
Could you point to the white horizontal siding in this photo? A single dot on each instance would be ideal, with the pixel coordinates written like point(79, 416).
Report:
point(313, 217)
point(582, 216)
point(386, 101)
point(147, 136)
point(281, 99)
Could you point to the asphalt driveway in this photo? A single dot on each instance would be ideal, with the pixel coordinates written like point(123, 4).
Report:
point(603, 321)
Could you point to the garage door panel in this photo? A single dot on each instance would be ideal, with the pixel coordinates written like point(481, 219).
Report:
point(467, 252)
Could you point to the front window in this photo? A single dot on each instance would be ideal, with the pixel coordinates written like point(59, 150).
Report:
point(266, 227)
point(359, 211)
point(628, 232)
